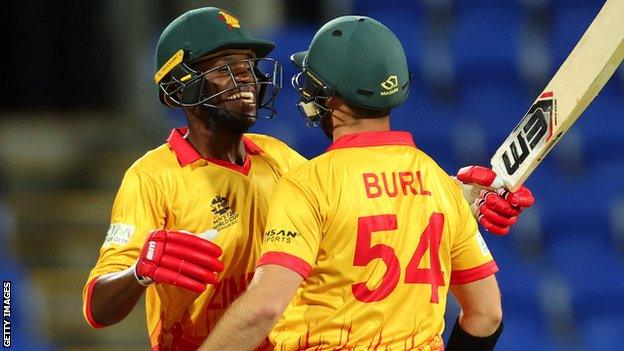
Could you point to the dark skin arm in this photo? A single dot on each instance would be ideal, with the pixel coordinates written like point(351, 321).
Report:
point(114, 296)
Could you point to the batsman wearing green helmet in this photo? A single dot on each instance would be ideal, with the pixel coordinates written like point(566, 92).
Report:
point(339, 64)
point(364, 242)
point(188, 219)
point(184, 78)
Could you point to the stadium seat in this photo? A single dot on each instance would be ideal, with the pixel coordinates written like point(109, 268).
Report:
point(497, 105)
point(461, 7)
point(469, 142)
point(519, 280)
point(601, 128)
point(431, 123)
point(581, 202)
point(616, 220)
point(289, 40)
point(485, 43)
point(370, 5)
point(603, 332)
point(569, 23)
point(523, 334)
point(593, 271)
point(405, 19)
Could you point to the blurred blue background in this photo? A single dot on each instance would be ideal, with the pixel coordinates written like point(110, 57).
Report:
point(78, 106)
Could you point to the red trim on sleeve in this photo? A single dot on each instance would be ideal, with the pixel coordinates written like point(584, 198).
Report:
point(88, 314)
point(470, 275)
point(286, 260)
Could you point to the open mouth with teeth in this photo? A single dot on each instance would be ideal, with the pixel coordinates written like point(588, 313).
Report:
point(246, 97)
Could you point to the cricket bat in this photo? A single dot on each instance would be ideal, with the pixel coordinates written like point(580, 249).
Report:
point(580, 78)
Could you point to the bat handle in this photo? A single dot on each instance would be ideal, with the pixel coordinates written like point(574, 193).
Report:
point(472, 190)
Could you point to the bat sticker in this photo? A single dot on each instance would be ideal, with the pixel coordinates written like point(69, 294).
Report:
point(532, 130)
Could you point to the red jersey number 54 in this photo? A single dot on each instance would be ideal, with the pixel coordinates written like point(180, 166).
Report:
point(364, 253)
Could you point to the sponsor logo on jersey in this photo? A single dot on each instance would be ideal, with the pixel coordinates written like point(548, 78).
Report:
point(220, 205)
point(224, 214)
point(482, 245)
point(119, 234)
point(390, 85)
point(279, 235)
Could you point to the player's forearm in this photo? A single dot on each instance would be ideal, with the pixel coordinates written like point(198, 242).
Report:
point(480, 302)
point(480, 324)
point(114, 296)
point(244, 326)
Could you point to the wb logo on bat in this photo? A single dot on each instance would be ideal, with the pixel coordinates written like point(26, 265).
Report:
point(530, 132)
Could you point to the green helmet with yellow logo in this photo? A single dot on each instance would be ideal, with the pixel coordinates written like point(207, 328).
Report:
point(357, 59)
point(201, 32)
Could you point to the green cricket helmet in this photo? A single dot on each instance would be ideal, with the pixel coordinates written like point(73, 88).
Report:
point(199, 33)
point(355, 58)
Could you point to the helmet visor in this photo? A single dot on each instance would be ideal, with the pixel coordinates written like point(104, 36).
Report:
point(187, 87)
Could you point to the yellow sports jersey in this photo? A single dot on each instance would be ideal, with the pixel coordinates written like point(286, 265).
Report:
point(379, 231)
point(173, 187)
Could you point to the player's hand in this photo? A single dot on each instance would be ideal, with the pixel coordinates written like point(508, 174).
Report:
point(497, 210)
point(179, 259)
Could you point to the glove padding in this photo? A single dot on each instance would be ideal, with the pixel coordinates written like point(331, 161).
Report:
point(179, 259)
point(497, 210)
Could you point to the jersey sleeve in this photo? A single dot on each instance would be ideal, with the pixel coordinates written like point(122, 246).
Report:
point(293, 230)
point(470, 257)
point(138, 209)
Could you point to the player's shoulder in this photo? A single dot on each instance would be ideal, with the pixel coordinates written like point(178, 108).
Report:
point(442, 176)
point(155, 160)
point(275, 149)
point(430, 162)
point(432, 165)
point(311, 171)
point(267, 143)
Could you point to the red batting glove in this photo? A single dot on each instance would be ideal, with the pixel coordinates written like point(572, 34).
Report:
point(179, 259)
point(496, 210)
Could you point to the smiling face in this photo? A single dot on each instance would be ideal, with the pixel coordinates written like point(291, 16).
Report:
point(231, 82)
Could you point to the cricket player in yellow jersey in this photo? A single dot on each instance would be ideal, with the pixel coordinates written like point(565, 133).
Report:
point(364, 242)
point(210, 177)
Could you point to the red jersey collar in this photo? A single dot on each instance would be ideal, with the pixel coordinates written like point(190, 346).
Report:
point(187, 154)
point(373, 139)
